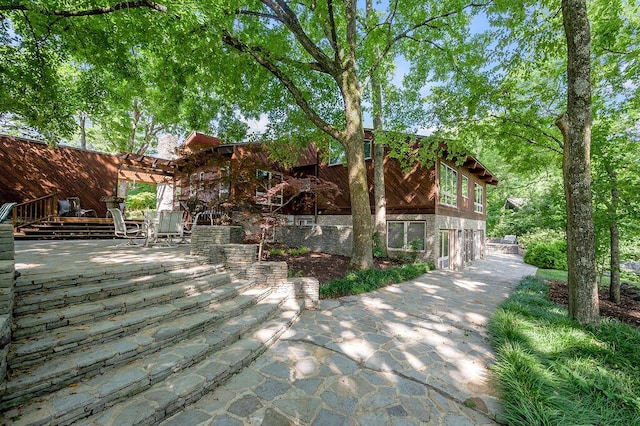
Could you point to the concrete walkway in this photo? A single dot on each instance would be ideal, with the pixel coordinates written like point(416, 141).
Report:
point(412, 353)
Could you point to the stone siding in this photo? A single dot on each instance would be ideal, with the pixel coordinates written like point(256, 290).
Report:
point(326, 239)
point(7, 278)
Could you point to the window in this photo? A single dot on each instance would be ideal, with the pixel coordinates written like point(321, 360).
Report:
point(465, 186)
point(448, 186)
point(406, 235)
point(443, 255)
point(201, 176)
point(305, 222)
point(266, 181)
point(367, 149)
point(478, 205)
point(338, 156)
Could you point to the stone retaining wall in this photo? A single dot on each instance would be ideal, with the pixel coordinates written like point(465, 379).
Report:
point(325, 238)
point(7, 278)
point(308, 290)
point(503, 248)
point(205, 239)
point(268, 274)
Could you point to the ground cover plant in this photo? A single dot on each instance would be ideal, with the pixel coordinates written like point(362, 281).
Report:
point(553, 371)
point(372, 279)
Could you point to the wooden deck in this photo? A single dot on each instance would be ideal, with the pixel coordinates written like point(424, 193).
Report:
point(68, 228)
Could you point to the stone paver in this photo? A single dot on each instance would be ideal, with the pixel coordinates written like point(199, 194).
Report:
point(409, 354)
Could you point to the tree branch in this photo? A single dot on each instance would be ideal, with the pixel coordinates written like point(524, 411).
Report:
point(532, 127)
point(407, 32)
point(333, 39)
point(266, 63)
point(88, 12)
point(532, 142)
point(290, 20)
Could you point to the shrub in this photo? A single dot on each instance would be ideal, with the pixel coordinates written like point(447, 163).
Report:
point(548, 255)
point(277, 251)
point(542, 236)
point(298, 251)
point(372, 279)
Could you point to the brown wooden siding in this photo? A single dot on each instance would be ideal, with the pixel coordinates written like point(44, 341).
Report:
point(31, 169)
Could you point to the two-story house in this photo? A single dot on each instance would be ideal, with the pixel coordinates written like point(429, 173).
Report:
point(438, 211)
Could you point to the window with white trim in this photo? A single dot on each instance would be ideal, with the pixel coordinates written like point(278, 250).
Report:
point(406, 235)
point(465, 186)
point(266, 181)
point(448, 186)
point(478, 204)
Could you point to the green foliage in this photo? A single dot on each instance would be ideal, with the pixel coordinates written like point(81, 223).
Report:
point(551, 255)
point(541, 236)
point(140, 198)
point(284, 251)
point(299, 251)
point(551, 370)
point(277, 251)
point(372, 279)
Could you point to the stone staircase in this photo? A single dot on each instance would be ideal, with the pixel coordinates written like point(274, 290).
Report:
point(134, 345)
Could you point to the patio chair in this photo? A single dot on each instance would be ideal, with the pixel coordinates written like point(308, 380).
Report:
point(5, 211)
point(77, 211)
point(170, 225)
point(130, 231)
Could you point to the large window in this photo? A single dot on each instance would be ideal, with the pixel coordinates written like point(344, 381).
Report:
point(448, 186)
point(465, 187)
point(478, 204)
point(338, 156)
point(406, 235)
point(266, 181)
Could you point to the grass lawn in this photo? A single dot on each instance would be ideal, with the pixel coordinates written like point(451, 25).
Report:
point(553, 371)
point(372, 279)
point(555, 275)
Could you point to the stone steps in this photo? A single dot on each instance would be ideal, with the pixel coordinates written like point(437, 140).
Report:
point(76, 337)
point(48, 321)
point(153, 387)
point(92, 291)
point(102, 356)
point(65, 276)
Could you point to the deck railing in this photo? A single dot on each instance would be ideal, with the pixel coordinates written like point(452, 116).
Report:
point(34, 211)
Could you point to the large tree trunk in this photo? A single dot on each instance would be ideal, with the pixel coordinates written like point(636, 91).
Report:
point(575, 125)
point(379, 193)
point(362, 250)
point(614, 286)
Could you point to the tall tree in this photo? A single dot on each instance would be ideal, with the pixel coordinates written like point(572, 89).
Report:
point(575, 126)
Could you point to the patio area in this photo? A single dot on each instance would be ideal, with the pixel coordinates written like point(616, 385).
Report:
point(80, 257)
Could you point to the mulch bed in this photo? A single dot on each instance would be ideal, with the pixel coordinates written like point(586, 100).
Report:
point(325, 267)
point(627, 311)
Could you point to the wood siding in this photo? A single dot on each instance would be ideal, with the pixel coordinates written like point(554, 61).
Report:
point(408, 192)
point(31, 169)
